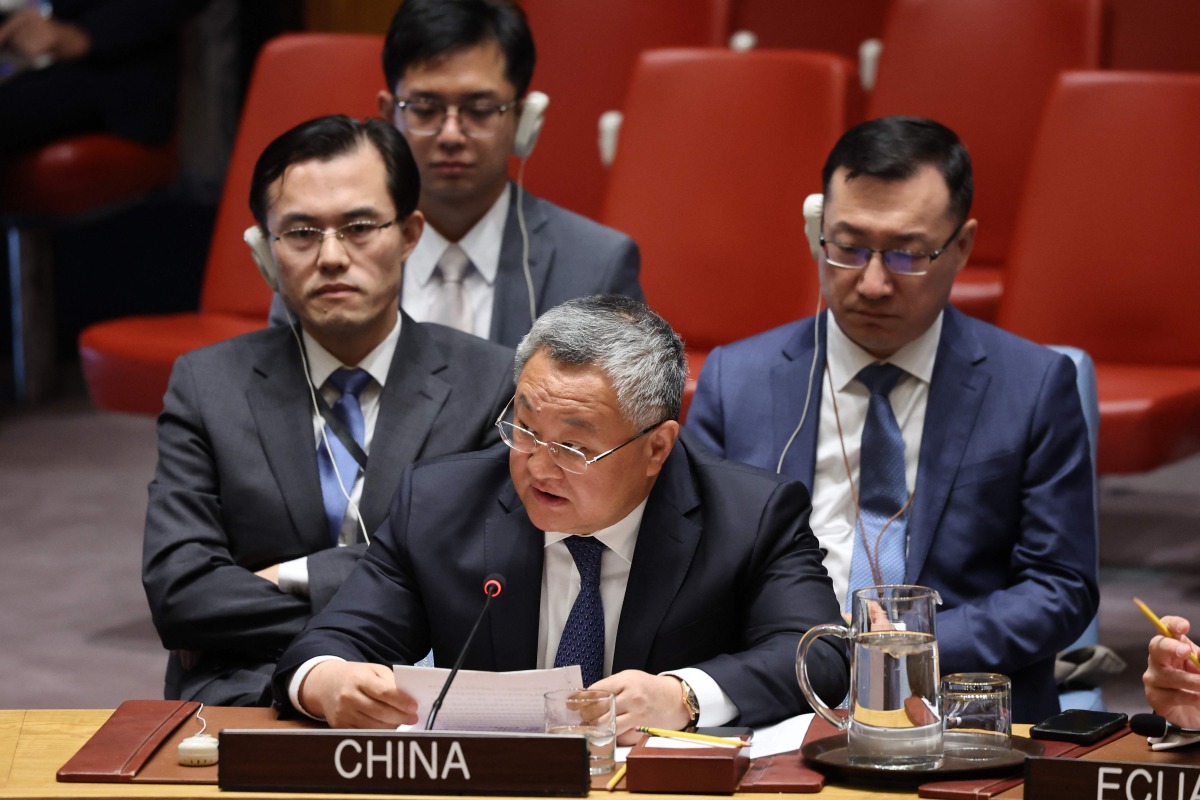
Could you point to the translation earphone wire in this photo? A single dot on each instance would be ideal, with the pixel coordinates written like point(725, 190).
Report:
point(525, 239)
point(312, 394)
point(812, 369)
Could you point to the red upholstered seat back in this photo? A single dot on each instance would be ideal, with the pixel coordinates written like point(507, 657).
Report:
point(716, 155)
point(1101, 250)
point(585, 54)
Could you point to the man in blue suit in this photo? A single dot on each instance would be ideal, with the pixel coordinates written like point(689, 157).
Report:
point(994, 507)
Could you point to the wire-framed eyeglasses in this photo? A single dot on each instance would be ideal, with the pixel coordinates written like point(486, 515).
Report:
point(564, 456)
point(479, 119)
point(898, 262)
point(358, 234)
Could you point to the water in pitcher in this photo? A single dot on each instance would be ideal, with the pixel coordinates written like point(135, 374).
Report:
point(894, 719)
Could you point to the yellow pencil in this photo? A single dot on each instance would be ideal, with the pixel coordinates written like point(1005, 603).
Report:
point(694, 737)
point(1163, 629)
point(612, 784)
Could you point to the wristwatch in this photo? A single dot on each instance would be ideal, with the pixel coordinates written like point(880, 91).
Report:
point(690, 702)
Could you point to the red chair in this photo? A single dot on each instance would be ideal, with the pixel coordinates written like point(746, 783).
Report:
point(586, 52)
point(984, 68)
point(1100, 254)
point(66, 181)
point(127, 362)
point(716, 155)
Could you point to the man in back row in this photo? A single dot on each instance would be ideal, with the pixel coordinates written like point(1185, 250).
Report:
point(458, 73)
point(940, 450)
point(280, 451)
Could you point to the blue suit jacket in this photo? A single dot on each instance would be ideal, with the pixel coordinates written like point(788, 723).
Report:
point(726, 577)
point(1002, 521)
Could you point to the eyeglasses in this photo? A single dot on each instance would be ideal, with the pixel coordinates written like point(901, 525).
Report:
point(898, 262)
point(358, 235)
point(564, 456)
point(478, 119)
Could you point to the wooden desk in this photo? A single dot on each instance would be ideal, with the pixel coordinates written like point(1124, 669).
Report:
point(35, 743)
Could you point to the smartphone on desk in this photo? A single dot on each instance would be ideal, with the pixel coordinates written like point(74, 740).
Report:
point(1079, 726)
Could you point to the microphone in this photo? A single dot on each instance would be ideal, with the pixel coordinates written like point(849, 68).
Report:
point(493, 585)
point(1156, 726)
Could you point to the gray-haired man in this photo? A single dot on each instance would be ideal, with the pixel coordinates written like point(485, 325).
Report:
point(708, 572)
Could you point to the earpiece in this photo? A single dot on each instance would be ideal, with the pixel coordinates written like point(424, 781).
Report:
point(533, 114)
point(201, 749)
point(814, 208)
point(264, 259)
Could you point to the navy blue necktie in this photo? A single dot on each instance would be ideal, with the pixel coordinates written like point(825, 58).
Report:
point(883, 489)
point(350, 382)
point(582, 640)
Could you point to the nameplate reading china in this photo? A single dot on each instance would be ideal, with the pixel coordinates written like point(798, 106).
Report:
point(391, 761)
point(1077, 779)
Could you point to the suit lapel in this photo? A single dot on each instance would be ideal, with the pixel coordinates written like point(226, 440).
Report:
point(408, 406)
point(282, 410)
point(789, 384)
point(956, 392)
point(510, 307)
point(514, 547)
point(666, 543)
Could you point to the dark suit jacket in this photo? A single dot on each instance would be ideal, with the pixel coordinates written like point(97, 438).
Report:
point(237, 489)
point(569, 256)
point(726, 577)
point(1002, 521)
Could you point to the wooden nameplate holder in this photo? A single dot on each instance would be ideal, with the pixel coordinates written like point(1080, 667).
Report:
point(1125, 768)
point(426, 762)
point(685, 770)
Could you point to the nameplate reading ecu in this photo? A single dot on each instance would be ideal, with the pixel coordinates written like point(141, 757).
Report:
point(391, 761)
point(1076, 779)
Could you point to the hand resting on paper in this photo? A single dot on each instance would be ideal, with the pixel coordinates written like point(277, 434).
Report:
point(349, 694)
point(1171, 680)
point(643, 699)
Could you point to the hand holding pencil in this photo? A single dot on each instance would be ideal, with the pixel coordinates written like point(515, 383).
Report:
point(1172, 677)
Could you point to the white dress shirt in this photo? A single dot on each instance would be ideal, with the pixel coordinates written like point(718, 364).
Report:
point(420, 291)
point(833, 515)
point(293, 575)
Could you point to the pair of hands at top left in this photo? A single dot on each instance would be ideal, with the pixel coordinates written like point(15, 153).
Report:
point(43, 38)
point(357, 695)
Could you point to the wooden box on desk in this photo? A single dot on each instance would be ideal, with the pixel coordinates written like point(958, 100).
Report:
point(685, 770)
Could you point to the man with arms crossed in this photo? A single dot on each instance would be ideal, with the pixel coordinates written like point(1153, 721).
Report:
point(458, 72)
point(250, 528)
point(976, 477)
point(707, 576)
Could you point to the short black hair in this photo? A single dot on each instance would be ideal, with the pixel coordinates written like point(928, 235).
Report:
point(893, 148)
point(325, 138)
point(424, 29)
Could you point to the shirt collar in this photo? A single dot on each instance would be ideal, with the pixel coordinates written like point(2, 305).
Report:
point(481, 244)
point(321, 363)
point(620, 537)
point(846, 358)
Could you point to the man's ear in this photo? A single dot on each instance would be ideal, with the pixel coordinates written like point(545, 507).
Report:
point(964, 242)
point(660, 442)
point(385, 101)
point(410, 231)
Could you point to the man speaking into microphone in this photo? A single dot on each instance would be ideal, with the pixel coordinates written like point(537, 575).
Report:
point(679, 582)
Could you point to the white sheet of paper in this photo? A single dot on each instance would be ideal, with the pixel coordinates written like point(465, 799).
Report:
point(782, 737)
point(484, 701)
